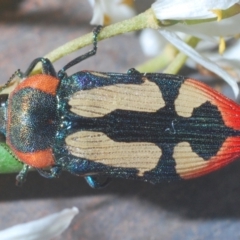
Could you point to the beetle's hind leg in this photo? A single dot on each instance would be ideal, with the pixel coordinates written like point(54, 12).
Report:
point(95, 181)
point(53, 172)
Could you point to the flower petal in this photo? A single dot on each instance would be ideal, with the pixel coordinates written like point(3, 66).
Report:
point(98, 14)
point(233, 52)
point(152, 42)
point(183, 47)
point(189, 9)
point(224, 28)
point(44, 228)
point(112, 10)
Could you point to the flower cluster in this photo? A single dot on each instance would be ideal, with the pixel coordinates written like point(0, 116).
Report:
point(209, 20)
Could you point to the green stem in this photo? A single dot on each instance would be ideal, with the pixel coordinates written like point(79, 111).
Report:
point(170, 57)
point(144, 20)
point(159, 62)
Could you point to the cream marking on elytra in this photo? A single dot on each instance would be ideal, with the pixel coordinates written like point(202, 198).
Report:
point(189, 97)
point(97, 102)
point(97, 147)
point(186, 160)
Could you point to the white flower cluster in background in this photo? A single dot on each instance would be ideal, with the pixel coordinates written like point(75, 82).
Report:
point(205, 19)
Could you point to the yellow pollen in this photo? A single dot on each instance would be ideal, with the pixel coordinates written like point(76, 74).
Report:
point(106, 20)
point(222, 45)
point(129, 3)
point(219, 14)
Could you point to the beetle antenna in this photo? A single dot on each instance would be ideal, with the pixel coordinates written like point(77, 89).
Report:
point(77, 60)
point(17, 73)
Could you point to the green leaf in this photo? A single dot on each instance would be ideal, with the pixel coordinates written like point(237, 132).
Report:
point(8, 162)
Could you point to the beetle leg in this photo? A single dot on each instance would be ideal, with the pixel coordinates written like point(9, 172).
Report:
point(133, 71)
point(54, 172)
point(47, 67)
point(22, 175)
point(94, 182)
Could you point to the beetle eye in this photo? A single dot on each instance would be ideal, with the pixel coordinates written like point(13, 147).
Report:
point(3, 99)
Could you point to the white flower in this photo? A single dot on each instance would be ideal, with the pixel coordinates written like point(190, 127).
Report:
point(44, 228)
point(152, 42)
point(180, 15)
point(209, 30)
point(197, 57)
point(111, 11)
point(189, 9)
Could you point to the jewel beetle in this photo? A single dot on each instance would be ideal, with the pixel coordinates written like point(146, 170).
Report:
point(146, 126)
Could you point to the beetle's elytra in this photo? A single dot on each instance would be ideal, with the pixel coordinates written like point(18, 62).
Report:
point(136, 126)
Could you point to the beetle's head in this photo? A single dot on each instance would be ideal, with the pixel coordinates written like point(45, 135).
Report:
point(3, 112)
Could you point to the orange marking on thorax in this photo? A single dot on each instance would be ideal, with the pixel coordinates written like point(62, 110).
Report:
point(38, 159)
point(48, 84)
point(43, 82)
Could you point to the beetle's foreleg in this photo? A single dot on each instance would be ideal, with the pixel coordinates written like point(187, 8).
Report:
point(47, 67)
point(94, 182)
point(22, 175)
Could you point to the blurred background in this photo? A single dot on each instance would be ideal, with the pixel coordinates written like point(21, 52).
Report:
point(203, 208)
